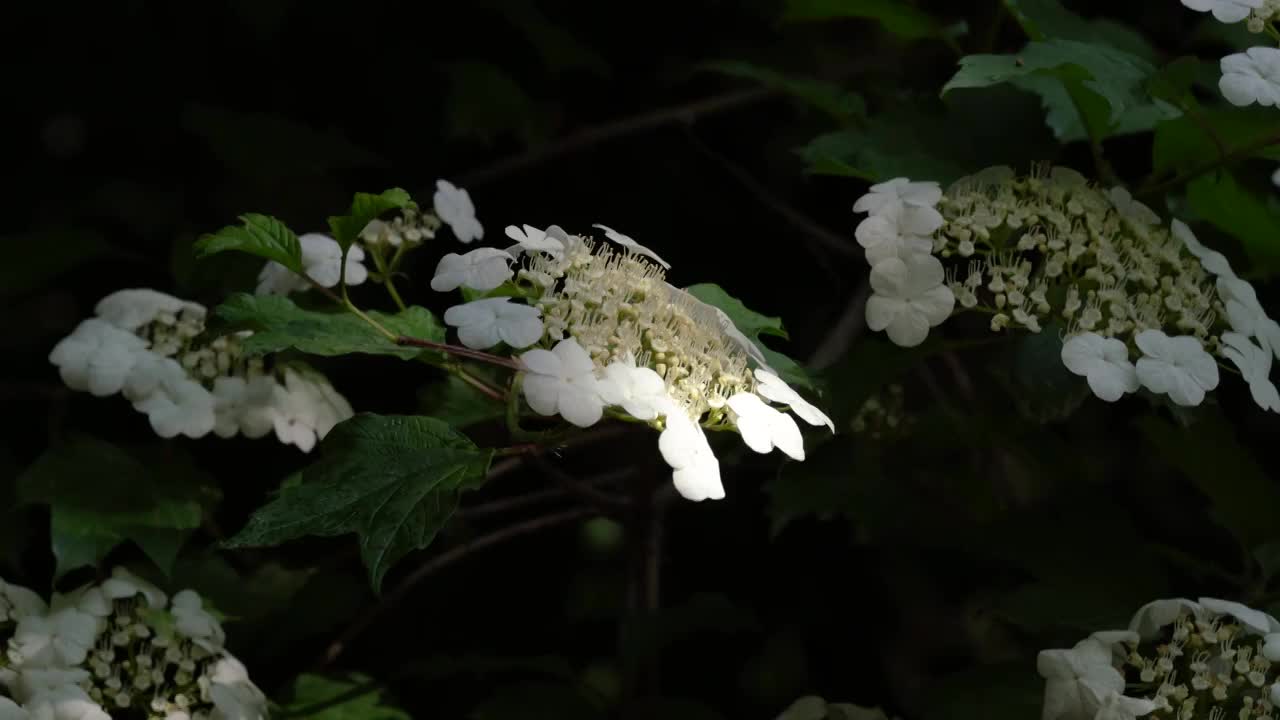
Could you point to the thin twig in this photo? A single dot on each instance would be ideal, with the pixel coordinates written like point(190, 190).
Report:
point(458, 350)
point(584, 489)
point(497, 507)
point(592, 136)
point(445, 559)
point(847, 329)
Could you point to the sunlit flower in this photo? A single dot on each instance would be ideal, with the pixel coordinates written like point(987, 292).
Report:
point(176, 404)
point(909, 298)
point(696, 471)
point(1254, 620)
point(1175, 366)
point(531, 239)
point(98, 357)
point(59, 639)
point(307, 407)
point(889, 235)
point(243, 405)
point(1104, 362)
point(17, 602)
point(481, 269)
point(234, 695)
point(453, 205)
point(484, 323)
point(133, 308)
point(1074, 679)
point(1254, 363)
point(763, 428)
point(1252, 76)
point(124, 585)
point(629, 243)
point(772, 387)
point(1212, 261)
point(321, 261)
point(562, 381)
point(890, 194)
point(638, 390)
point(1227, 11)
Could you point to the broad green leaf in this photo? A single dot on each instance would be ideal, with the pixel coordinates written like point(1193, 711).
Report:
point(897, 16)
point(1184, 143)
point(457, 403)
point(831, 99)
point(753, 325)
point(260, 235)
point(1242, 496)
point(1174, 81)
point(1237, 211)
point(279, 324)
point(315, 690)
point(100, 496)
point(365, 207)
point(394, 481)
point(1046, 19)
point(1115, 77)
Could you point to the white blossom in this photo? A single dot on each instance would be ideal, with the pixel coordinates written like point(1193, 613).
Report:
point(629, 243)
point(1158, 614)
point(562, 381)
point(1074, 679)
point(67, 702)
point(133, 308)
point(1252, 76)
point(10, 710)
point(484, 323)
point(909, 298)
point(176, 404)
point(97, 356)
point(638, 390)
point(1104, 362)
point(31, 682)
point(1254, 620)
point(696, 471)
point(481, 269)
point(884, 196)
point(531, 239)
point(453, 205)
point(321, 261)
point(17, 602)
point(1175, 366)
point(1227, 11)
point(1244, 312)
point(1275, 177)
point(1212, 261)
point(124, 585)
point(1254, 363)
point(234, 695)
point(890, 234)
point(61, 638)
point(307, 407)
point(194, 622)
point(1131, 209)
point(763, 428)
point(243, 405)
point(1114, 705)
point(771, 387)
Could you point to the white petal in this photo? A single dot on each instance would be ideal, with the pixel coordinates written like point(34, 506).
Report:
point(1159, 614)
point(543, 393)
point(1255, 620)
point(580, 403)
point(543, 362)
point(935, 305)
point(573, 358)
point(480, 336)
point(881, 311)
point(907, 328)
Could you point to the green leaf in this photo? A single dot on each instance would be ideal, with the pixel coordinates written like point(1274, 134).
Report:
point(1174, 81)
point(897, 16)
point(392, 480)
point(1237, 211)
point(1106, 84)
point(279, 324)
point(259, 235)
point(100, 496)
point(753, 325)
point(1242, 495)
point(1046, 19)
point(313, 690)
point(457, 403)
point(365, 208)
point(1183, 143)
point(831, 99)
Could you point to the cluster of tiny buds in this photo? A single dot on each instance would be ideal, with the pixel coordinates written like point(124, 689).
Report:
point(1259, 18)
point(178, 336)
point(411, 227)
point(1206, 668)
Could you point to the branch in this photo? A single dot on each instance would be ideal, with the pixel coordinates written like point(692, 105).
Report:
point(496, 507)
point(457, 350)
point(442, 561)
point(585, 490)
point(846, 330)
point(591, 136)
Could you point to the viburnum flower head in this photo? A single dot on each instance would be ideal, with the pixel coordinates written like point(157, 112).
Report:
point(763, 428)
point(481, 269)
point(638, 390)
point(1175, 366)
point(1131, 209)
point(98, 357)
point(453, 205)
point(629, 243)
point(1227, 11)
point(1212, 261)
point(1078, 680)
point(895, 233)
point(909, 297)
point(771, 387)
point(321, 261)
point(244, 406)
point(531, 239)
point(899, 192)
point(1104, 362)
point(562, 381)
point(1252, 76)
point(1254, 363)
point(484, 323)
point(695, 469)
point(307, 407)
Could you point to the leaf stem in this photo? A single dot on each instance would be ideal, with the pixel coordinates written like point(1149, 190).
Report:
point(457, 350)
point(475, 382)
point(1239, 153)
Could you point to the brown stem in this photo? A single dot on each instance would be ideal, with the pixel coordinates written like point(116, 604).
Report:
point(584, 489)
point(496, 507)
point(459, 351)
point(440, 562)
point(589, 137)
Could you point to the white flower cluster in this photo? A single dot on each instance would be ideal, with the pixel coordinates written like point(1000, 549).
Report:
point(612, 333)
point(1252, 76)
point(322, 255)
point(147, 346)
point(1178, 659)
point(1144, 306)
point(120, 649)
point(909, 293)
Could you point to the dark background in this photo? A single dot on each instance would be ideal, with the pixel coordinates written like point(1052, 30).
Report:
point(133, 127)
